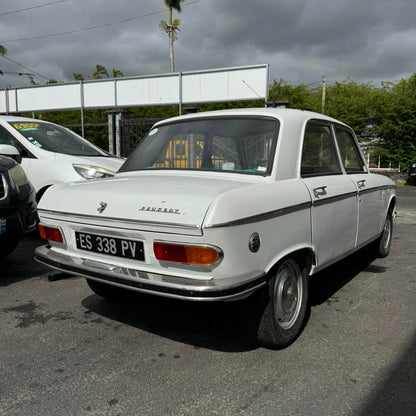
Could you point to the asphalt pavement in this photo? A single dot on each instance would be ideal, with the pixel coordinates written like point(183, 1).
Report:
point(66, 351)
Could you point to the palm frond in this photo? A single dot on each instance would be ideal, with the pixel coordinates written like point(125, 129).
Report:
point(164, 26)
point(174, 4)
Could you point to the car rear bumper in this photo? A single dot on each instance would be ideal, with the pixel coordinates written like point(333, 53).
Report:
point(157, 284)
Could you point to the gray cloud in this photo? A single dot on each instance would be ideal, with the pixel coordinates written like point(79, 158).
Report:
point(300, 39)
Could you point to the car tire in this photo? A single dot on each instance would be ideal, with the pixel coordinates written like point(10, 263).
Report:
point(279, 313)
point(381, 246)
point(7, 247)
point(104, 290)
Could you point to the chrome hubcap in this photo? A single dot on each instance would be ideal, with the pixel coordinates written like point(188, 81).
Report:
point(385, 241)
point(288, 293)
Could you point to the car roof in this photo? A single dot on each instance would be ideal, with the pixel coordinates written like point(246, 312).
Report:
point(15, 118)
point(289, 114)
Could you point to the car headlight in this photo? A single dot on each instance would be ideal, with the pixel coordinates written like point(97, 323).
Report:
point(93, 172)
point(18, 176)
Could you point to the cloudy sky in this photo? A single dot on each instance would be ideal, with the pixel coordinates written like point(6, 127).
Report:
point(301, 40)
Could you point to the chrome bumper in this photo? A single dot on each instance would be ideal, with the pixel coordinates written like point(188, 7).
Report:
point(157, 284)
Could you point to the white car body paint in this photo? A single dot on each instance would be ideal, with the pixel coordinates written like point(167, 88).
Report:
point(329, 216)
point(45, 168)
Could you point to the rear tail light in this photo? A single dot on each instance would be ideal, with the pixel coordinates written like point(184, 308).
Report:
point(187, 254)
point(51, 233)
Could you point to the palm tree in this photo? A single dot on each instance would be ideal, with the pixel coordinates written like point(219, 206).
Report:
point(3, 51)
point(100, 70)
point(171, 28)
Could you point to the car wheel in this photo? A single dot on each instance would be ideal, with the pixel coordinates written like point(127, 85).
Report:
point(104, 290)
point(381, 246)
point(283, 308)
point(6, 247)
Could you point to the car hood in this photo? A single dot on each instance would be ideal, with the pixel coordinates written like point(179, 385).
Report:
point(148, 199)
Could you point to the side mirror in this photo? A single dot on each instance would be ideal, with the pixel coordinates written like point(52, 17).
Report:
point(10, 151)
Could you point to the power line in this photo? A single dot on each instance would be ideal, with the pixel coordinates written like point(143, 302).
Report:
point(91, 27)
point(25, 67)
point(33, 7)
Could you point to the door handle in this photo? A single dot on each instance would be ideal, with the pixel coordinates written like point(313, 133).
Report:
point(318, 192)
point(361, 183)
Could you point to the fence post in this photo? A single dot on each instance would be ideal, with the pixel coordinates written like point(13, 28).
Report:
point(115, 145)
point(111, 132)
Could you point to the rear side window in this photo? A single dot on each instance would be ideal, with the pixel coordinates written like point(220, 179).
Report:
point(350, 156)
point(319, 154)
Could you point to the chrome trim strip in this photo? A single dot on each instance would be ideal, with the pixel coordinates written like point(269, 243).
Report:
point(118, 220)
point(264, 216)
point(157, 284)
point(295, 208)
point(376, 188)
point(368, 191)
point(335, 198)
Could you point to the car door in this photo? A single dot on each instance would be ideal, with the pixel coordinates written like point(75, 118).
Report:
point(334, 210)
point(369, 197)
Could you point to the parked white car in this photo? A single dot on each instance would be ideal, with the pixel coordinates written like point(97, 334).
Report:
point(52, 154)
point(224, 205)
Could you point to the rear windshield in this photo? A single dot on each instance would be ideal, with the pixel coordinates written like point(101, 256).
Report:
point(240, 145)
point(55, 138)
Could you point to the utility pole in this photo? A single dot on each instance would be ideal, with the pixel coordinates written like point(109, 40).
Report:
point(323, 94)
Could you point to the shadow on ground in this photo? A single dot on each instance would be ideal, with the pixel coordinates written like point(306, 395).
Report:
point(217, 325)
point(397, 394)
point(20, 265)
point(214, 325)
point(326, 283)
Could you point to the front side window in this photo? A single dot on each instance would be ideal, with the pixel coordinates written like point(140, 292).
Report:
point(240, 145)
point(54, 138)
point(350, 156)
point(7, 138)
point(319, 155)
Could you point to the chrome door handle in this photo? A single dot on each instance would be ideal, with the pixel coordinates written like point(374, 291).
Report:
point(361, 183)
point(321, 191)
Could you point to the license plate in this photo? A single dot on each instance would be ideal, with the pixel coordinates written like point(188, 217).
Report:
point(111, 246)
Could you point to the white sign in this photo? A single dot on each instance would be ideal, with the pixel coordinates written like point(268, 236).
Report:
point(227, 84)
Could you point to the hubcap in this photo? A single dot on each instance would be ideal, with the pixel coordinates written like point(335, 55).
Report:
point(385, 241)
point(288, 294)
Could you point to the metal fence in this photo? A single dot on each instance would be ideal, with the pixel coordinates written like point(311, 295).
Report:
point(132, 131)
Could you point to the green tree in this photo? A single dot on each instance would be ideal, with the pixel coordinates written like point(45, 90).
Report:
point(78, 77)
point(397, 120)
point(171, 28)
point(100, 71)
point(353, 103)
point(299, 96)
point(117, 73)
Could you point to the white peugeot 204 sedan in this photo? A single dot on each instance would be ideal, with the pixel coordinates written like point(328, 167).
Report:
point(224, 205)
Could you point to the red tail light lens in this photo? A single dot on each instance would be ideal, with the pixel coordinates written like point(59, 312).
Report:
point(187, 254)
point(51, 233)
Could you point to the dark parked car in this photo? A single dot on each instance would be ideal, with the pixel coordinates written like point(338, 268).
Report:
point(17, 205)
point(412, 174)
